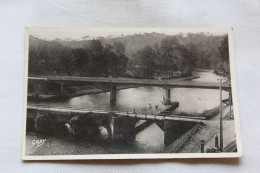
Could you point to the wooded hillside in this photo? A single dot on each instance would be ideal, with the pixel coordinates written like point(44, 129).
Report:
point(144, 54)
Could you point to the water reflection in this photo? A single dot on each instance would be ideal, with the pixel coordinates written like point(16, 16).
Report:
point(191, 100)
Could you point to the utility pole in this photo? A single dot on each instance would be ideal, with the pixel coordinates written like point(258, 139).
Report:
point(221, 118)
point(230, 103)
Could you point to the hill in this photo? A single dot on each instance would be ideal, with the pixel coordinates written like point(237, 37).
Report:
point(47, 54)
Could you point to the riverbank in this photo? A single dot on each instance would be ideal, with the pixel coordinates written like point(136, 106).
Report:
point(208, 131)
point(204, 70)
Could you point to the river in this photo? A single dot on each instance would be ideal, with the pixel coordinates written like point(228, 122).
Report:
point(147, 141)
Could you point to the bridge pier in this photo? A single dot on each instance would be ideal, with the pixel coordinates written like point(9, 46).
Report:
point(113, 94)
point(167, 95)
point(124, 128)
point(110, 128)
point(61, 88)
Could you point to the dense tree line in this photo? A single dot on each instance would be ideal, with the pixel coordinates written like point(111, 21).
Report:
point(92, 60)
point(151, 55)
point(165, 59)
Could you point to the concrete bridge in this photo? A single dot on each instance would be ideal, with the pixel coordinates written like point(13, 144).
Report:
point(113, 82)
point(118, 123)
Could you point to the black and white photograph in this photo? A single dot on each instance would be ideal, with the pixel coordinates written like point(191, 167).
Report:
point(122, 93)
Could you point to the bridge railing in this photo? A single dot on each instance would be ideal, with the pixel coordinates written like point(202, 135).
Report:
point(177, 83)
point(144, 113)
point(165, 115)
point(129, 110)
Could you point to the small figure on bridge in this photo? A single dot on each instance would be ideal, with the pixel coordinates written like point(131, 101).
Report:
point(150, 106)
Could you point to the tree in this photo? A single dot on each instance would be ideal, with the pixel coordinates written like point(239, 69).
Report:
point(116, 59)
point(80, 59)
point(170, 49)
point(121, 58)
point(146, 59)
point(223, 67)
point(97, 62)
point(39, 60)
point(158, 60)
point(66, 61)
point(112, 59)
point(33, 62)
point(187, 61)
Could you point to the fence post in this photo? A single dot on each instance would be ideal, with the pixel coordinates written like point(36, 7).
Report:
point(216, 141)
point(135, 113)
point(202, 143)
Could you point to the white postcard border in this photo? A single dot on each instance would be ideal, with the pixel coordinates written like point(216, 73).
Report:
point(140, 156)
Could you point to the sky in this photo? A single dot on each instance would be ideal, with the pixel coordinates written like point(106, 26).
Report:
point(76, 33)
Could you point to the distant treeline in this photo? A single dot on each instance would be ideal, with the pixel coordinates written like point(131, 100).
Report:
point(92, 60)
point(148, 56)
point(165, 59)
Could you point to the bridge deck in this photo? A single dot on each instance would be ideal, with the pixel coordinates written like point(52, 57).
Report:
point(69, 111)
point(150, 82)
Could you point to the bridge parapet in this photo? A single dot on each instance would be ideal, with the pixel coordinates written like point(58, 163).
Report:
point(126, 81)
point(127, 112)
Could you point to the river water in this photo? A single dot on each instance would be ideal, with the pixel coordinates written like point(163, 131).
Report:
point(147, 141)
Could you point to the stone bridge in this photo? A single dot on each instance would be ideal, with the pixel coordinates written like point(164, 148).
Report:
point(119, 124)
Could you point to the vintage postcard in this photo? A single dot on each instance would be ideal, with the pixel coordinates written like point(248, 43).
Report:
point(130, 93)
